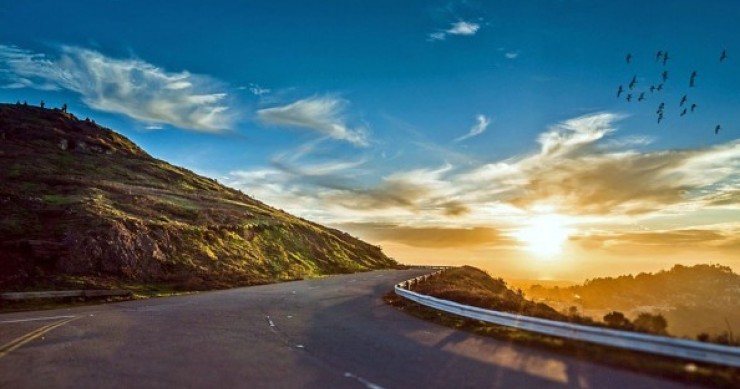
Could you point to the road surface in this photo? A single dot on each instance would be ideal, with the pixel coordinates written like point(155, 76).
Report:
point(334, 332)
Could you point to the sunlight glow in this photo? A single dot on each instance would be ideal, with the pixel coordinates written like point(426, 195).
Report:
point(544, 235)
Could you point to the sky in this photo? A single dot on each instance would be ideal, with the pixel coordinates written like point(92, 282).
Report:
point(459, 132)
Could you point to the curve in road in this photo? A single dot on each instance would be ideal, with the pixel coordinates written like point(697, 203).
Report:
point(330, 332)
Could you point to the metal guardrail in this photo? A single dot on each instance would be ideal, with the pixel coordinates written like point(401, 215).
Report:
point(674, 347)
point(15, 296)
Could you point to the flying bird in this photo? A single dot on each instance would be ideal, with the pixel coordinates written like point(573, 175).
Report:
point(661, 108)
point(684, 99)
point(619, 91)
point(723, 56)
point(664, 75)
point(652, 88)
point(683, 112)
point(628, 58)
point(692, 79)
point(660, 117)
point(659, 87)
point(633, 82)
point(693, 107)
point(658, 55)
point(629, 97)
point(665, 58)
point(716, 129)
point(642, 97)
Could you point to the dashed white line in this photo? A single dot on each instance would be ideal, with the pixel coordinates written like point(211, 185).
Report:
point(269, 321)
point(365, 382)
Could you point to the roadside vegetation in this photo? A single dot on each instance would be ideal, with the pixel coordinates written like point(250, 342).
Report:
point(472, 286)
point(700, 301)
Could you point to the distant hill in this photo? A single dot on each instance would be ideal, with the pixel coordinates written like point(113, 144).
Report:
point(81, 205)
point(694, 299)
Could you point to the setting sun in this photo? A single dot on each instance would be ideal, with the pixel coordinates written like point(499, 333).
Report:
point(544, 235)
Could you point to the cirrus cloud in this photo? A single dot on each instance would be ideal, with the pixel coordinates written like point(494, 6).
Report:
point(324, 114)
point(131, 87)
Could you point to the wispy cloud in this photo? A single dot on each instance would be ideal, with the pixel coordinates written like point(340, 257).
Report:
point(577, 171)
point(256, 89)
point(130, 87)
point(324, 114)
point(511, 54)
point(482, 123)
point(458, 28)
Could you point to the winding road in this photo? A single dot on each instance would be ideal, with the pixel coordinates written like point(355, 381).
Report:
point(333, 332)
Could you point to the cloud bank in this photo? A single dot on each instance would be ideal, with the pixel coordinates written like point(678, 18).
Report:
point(580, 169)
point(130, 87)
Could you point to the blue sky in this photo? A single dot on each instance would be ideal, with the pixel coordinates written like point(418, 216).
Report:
point(405, 116)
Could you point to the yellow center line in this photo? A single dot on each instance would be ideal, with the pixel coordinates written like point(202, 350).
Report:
point(18, 342)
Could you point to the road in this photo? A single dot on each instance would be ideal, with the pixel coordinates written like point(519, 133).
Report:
point(334, 332)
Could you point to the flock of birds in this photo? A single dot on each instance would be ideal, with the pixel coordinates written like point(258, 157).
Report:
point(662, 57)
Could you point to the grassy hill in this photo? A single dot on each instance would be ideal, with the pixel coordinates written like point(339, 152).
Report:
point(82, 206)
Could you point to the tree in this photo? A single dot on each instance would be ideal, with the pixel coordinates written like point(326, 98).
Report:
point(64, 107)
point(654, 324)
point(617, 319)
point(42, 103)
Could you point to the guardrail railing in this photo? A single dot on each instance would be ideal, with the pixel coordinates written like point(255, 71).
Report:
point(663, 345)
point(51, 294)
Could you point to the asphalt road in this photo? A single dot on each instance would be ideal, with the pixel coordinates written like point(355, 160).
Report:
point(334, 332)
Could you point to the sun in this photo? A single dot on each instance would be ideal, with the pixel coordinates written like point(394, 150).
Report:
point(544, 235)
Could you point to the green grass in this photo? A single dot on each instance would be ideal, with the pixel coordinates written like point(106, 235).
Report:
point(62, 199)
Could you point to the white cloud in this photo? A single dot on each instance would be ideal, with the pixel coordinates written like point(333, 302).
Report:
point(511, 54)
point(458, 28)
point(463, 28)
point(578, 171)
point(323, 114)
point(130, 87)
point(482, 123)
point(257, 90)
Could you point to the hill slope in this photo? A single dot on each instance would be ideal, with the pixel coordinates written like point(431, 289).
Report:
point(81, 205)
point(694, 299)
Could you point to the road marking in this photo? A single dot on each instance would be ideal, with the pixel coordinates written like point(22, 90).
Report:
point(36, 319)
point(269, 321)
point(365, 382)
point(18, 342)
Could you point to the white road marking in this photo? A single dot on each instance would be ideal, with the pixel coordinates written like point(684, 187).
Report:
point(269, 321)
point(365, 382)
point(36, 319)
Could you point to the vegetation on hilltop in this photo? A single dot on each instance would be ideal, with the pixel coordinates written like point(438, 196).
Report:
point(699, 300)
point(82, 206)
point(471, 286)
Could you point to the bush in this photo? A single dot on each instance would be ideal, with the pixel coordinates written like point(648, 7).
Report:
point(654, 324)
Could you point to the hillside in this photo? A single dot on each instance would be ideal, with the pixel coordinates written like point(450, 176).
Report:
point(472, 286)
point(82, 206)
point(694, 299)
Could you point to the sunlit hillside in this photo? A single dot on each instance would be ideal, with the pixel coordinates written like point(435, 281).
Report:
point(694, 299)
